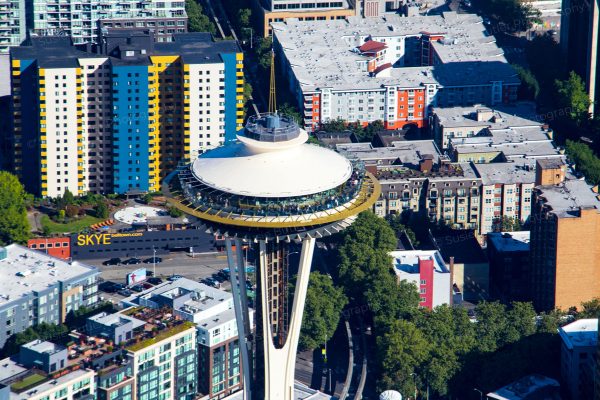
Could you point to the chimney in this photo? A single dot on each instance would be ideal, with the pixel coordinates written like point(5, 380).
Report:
point(426, 163)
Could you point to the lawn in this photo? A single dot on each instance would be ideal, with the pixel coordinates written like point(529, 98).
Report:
point(71, 227)
point(161, 336)
point(29, 381)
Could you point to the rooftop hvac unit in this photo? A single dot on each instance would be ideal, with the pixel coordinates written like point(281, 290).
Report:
point(3, 253)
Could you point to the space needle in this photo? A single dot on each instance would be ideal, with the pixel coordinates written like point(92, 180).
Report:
point(272, 191)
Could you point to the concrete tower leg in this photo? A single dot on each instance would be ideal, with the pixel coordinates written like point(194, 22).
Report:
point(237, 270)
point(280, 358)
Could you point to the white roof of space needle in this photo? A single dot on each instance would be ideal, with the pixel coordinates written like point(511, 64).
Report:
point(271, 159)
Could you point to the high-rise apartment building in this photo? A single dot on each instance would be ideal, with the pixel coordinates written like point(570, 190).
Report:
point(565, 227)
point(12, 24)
point(579, 39)
point(82, 19)
point(120, 119)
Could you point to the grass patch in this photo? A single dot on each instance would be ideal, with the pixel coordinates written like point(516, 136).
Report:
point(27, 382)
point(70, 227)
point(161, 336)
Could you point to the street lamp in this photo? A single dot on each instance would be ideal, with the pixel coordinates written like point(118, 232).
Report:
point(414, 375)
point(153, 261)
point(480, 393)
point(250, 35)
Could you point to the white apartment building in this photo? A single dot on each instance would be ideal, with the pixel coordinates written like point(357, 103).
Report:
point(577, 357)
point(81, 19)
point(12, 24)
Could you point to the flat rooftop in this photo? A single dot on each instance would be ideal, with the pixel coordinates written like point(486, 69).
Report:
point(509, 241)
point(406, 152)
point(580, 333)
point(10, 368)
point(50, 384)
point(527, 386)
point(504, 116)
point(507, 173)
point(407, 261)
point(42, 346)
point(209, 298)
point(24, 271)
point(568, 197)
point(116, 319)
point(321, 54)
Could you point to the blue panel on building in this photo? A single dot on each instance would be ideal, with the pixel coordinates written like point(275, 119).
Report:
point(130, 128)
point(230, 94)
point(30, 120)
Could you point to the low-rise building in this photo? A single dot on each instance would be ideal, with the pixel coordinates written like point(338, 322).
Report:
point(212, 312)
point(44, 355)
point(577, 357)
point(391, 68)
point(427, 270)
point(510, 274)
point(36, 288)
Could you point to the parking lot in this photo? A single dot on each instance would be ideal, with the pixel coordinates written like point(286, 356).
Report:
point(198, 267)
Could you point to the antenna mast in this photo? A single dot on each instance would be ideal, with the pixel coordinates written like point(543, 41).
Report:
point(272, 98)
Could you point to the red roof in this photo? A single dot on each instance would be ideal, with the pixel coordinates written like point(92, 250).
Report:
point(382, 67)
point(372, 46)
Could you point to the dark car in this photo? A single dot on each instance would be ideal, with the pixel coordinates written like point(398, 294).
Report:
point(154, 281)
point(132, 261)
point(112, 261)
point(125, 292)
point(137, 288)
point(108, 287)
point(218, 278)
point(153, 260)
point(174, 278)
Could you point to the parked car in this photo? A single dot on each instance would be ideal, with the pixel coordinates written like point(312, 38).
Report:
point(137, 288)
point(153, 260)
point(154, 280)
point(125, 292)
point(112, 261)
point(174, 278)
point(218, 278)
point(108, 287)
point(132, 261)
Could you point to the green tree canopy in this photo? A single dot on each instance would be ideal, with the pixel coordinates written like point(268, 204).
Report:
point(324, 304)
point(396, 224)
point(513, 15)
point(401, 350)
point(530, 87)
point(197, 21)
point(573, 98)
point(585, 161)
point(14, 226)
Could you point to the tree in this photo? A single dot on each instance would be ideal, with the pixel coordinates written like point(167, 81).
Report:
point(585, 161)
point(290, 111)
point(573, 98)
point(510, 224)
point(401, 350)
point(101, 210)
point(243, 17)
point(530, 87)
point(548, 323)
point(72, 211)
point(197, 21)
point(590, 309)
point(399, 228)
point(324, 304)
point(263, 52)
point(14, 226)
point(175, 212)
point(491, 326)
point(521, 320)
point(511, 15)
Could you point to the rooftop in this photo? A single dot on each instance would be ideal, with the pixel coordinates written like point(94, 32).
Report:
point(25, 271)
point(58, 52)
point(325, 54)
point(462, 245)
point(407, 261)
point(567, 198)
point(400, 152)
point(521, 389)
point(116, 319)
point(10, 368)
point(49, 384)
point(507, 173)
point(509, 241)
point(500, 117)
point(42, 346)
point(580, 333)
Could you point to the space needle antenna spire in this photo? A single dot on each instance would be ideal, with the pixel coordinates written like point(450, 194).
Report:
point(272, 95)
